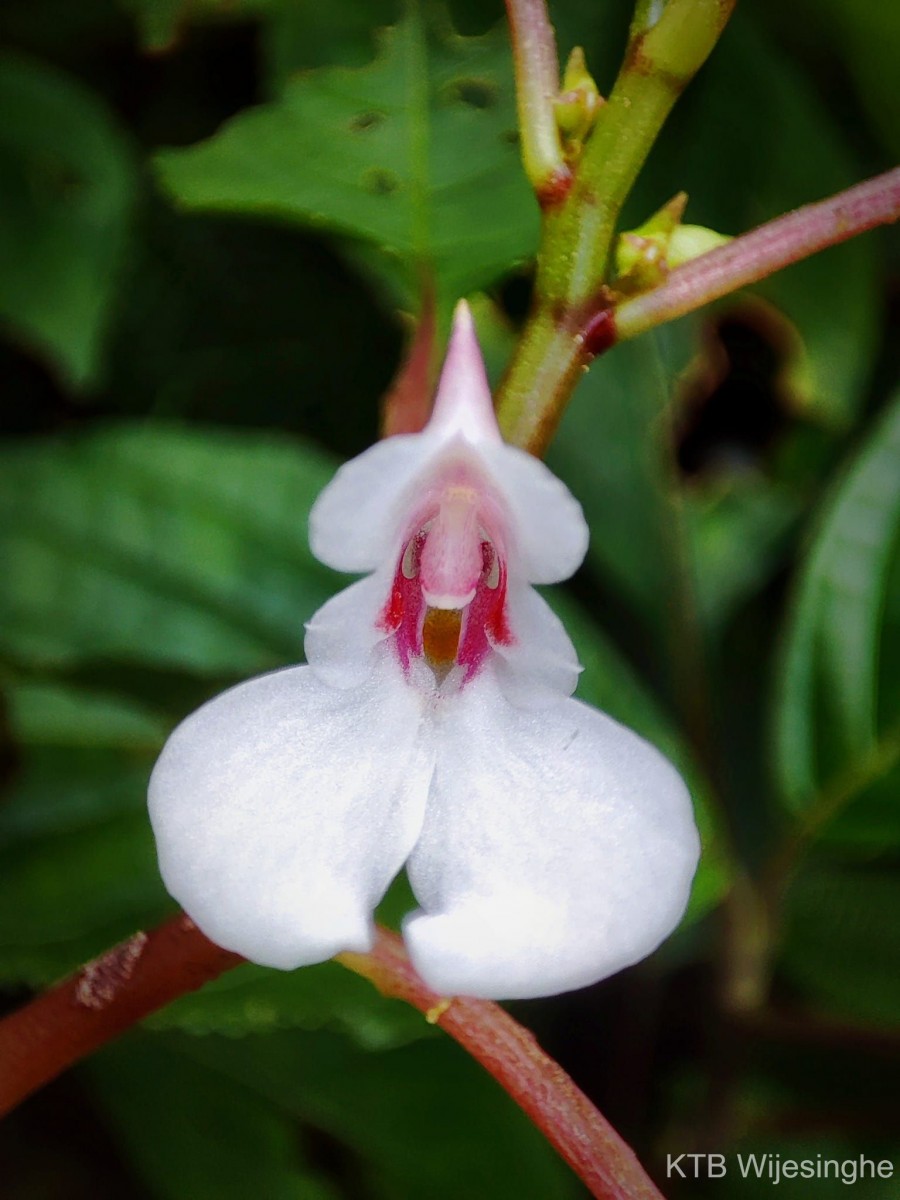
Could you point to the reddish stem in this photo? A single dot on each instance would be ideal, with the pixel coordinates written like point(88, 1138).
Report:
point(755, 255)
point(568, 1119)
point(102, 1000)
point(132, 980)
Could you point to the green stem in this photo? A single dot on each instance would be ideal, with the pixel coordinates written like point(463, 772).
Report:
point(570, 293)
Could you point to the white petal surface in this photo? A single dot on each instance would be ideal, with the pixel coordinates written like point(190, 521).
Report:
point(551, 532)
point(283, 808)
point(353, 524)
point(341, 636)
point(558, 848)
point(541, 664)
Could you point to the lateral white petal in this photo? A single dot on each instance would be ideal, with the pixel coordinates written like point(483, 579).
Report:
point(354, 523)
point(558, 847)
point(341, 636)
point(541, 664)
point(551, 532)
point(283, 808)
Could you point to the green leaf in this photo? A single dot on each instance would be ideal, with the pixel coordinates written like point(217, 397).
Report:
point(66, 190)
point(412, 160)
point(836, 739)
point(160, 546)
point(253, 999)
point(841, 932)
point(613, 450)
point(188, 1135)
point(415, 1118)
point(158, 21)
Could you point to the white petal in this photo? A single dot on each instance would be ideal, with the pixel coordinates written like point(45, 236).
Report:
point(558, 848)
point(551, 532)
point(541, 664)
point(283, 808)
point(341, 636)
point(354, 522)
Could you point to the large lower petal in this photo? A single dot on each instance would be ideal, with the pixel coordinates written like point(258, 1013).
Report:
point(558, 847)
point(283, 808)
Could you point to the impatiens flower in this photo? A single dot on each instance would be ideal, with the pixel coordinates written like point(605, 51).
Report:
point(547, 845)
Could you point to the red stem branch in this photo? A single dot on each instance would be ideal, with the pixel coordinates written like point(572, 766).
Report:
point(132, 980)
point(102, 1000)
point(755, 255)
point(584, 1138)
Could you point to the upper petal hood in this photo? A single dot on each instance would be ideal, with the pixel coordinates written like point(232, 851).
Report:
point(283, 808)
point(358, 519)
point(558, 847)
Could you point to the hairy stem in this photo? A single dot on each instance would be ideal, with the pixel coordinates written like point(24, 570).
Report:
point(763, 251)
point(132, 980)
point(534, 1080)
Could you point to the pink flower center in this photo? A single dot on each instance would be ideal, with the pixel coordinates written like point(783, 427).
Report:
point(448, 600)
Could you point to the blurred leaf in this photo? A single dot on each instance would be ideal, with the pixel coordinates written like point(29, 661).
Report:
point(662, 544)
point(834, 738)
point(753, 116)
point(76, 854)
point(66, 189)
point(737, 530)
point(412, 158)
point(423, 1120)
point(867, 36)
point(610, 684)
point(613, 449)
point(189, 1136)
point(159, 21)
point(255, 999)
point(166, 546)
point(842, 939)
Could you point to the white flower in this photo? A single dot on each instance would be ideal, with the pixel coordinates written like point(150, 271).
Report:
point(547, 845)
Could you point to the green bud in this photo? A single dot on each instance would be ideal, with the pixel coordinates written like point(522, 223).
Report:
point(690, 241)
point(579, 100)
point(644, 256)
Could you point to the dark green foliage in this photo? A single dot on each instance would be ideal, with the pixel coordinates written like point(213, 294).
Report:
point(211, 216)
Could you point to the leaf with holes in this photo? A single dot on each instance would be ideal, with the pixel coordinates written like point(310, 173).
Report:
point(838, 713)
point(411, 160)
